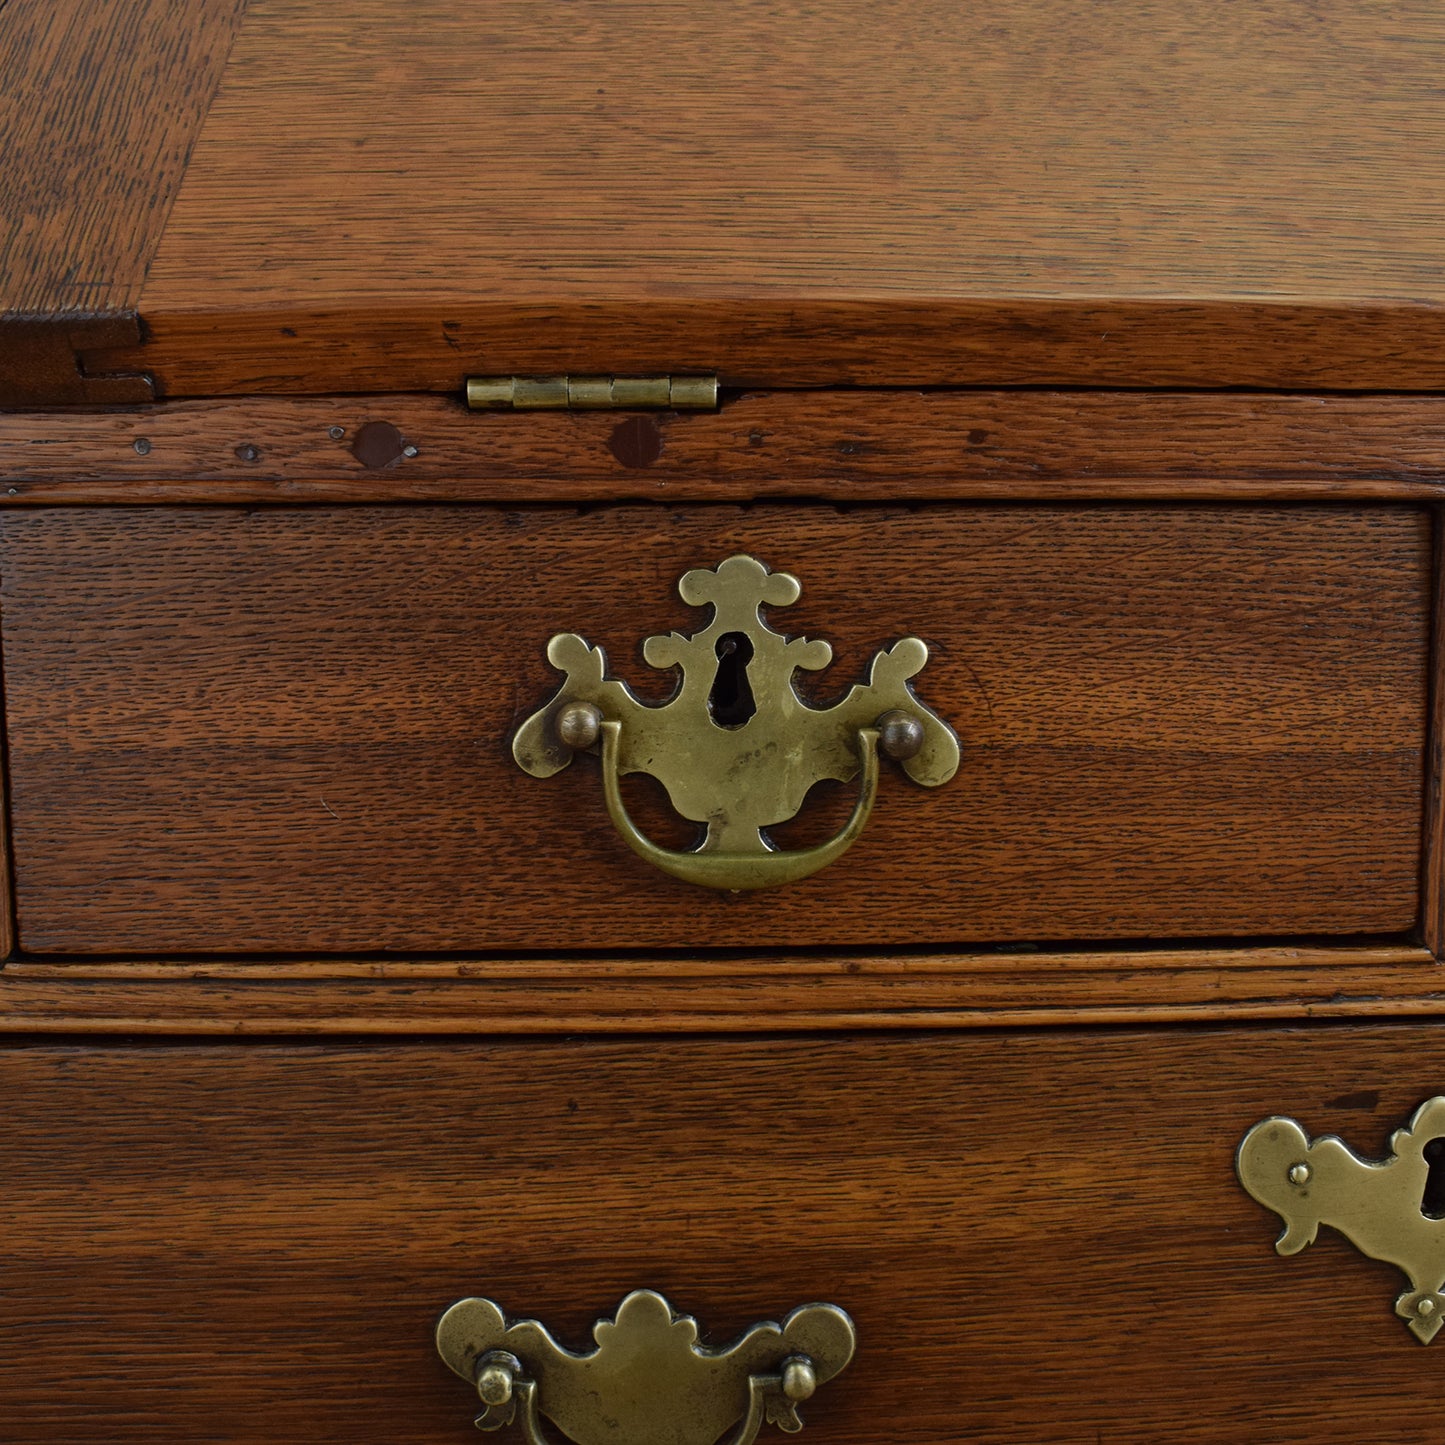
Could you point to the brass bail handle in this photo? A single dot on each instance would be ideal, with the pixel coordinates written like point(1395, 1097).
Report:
point(648, 1381)
point(737, 748)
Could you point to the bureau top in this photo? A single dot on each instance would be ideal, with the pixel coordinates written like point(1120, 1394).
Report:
point(291, 195)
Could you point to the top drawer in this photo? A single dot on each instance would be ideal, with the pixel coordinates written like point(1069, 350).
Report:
point(288, 730)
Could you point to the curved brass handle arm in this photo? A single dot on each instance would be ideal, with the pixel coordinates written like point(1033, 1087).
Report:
point(738, 871)
point(737, 748)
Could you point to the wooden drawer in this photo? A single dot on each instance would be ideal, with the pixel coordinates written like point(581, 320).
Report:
point(1039, 1237)
point(287, 730)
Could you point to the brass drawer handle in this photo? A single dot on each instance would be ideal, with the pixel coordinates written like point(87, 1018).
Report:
point(736, 748)
point(649, 1381)
point(1380, 1208)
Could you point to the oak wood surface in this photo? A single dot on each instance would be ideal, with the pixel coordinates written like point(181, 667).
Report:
point(702, 994)
point(1040, 1237)
point(288, 730)
point(390, 196)
point(387, 196)
point(436, 345)
point(100, 102)
point(847, 445)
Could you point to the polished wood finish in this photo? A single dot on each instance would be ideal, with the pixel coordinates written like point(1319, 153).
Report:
point(1039, 1236)
point(287, 730)
point(842, 446)
point(724, 994)
point(386, 197)
point(100, 103)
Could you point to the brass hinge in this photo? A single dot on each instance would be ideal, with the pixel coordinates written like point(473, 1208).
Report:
point(592, 393)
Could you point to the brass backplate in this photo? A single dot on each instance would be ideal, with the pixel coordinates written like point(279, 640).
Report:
point(1379, 1208)
point(737, 769)
point(649, 1380)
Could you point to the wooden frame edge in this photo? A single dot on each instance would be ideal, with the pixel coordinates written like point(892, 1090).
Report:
point(843, 446)
point(1432, 882)
point(420, 343)
point(9, 916)
point(560, 995)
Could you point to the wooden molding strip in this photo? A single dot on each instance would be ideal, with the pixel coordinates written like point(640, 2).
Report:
point(100, 104)
point(719, 995)
point(838, 446)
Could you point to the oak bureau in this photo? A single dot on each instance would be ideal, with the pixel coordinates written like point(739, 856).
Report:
point(721, 717)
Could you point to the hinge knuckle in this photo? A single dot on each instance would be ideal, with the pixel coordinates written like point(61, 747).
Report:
point(592, 393)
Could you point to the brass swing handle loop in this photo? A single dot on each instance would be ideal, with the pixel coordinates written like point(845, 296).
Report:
point(739, 871)
point(648, 1380)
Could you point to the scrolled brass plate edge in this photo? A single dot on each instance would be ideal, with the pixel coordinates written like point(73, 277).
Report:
point(738, 774)
point(1377, 1206)
point(649, 1380)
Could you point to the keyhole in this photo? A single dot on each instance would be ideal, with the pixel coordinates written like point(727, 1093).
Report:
point(1432, 1205)
point(731, 699)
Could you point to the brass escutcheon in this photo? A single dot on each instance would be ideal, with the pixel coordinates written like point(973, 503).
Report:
point(1379, 1208)
point(649, 1381)
point(738, 773)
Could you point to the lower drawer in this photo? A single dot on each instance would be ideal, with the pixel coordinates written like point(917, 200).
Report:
point(1039, 1236)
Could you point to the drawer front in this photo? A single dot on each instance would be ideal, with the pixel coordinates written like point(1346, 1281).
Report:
point(1039, 1237)
point(289, 730)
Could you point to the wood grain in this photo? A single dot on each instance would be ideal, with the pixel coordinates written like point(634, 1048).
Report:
point(287, 730)
point(385, 197)
point(719, 993)
point(1432, 906)
point(1040, 1237)
point(772, 342)
point(100, 103)
point(7, 877)
point(844, 446)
